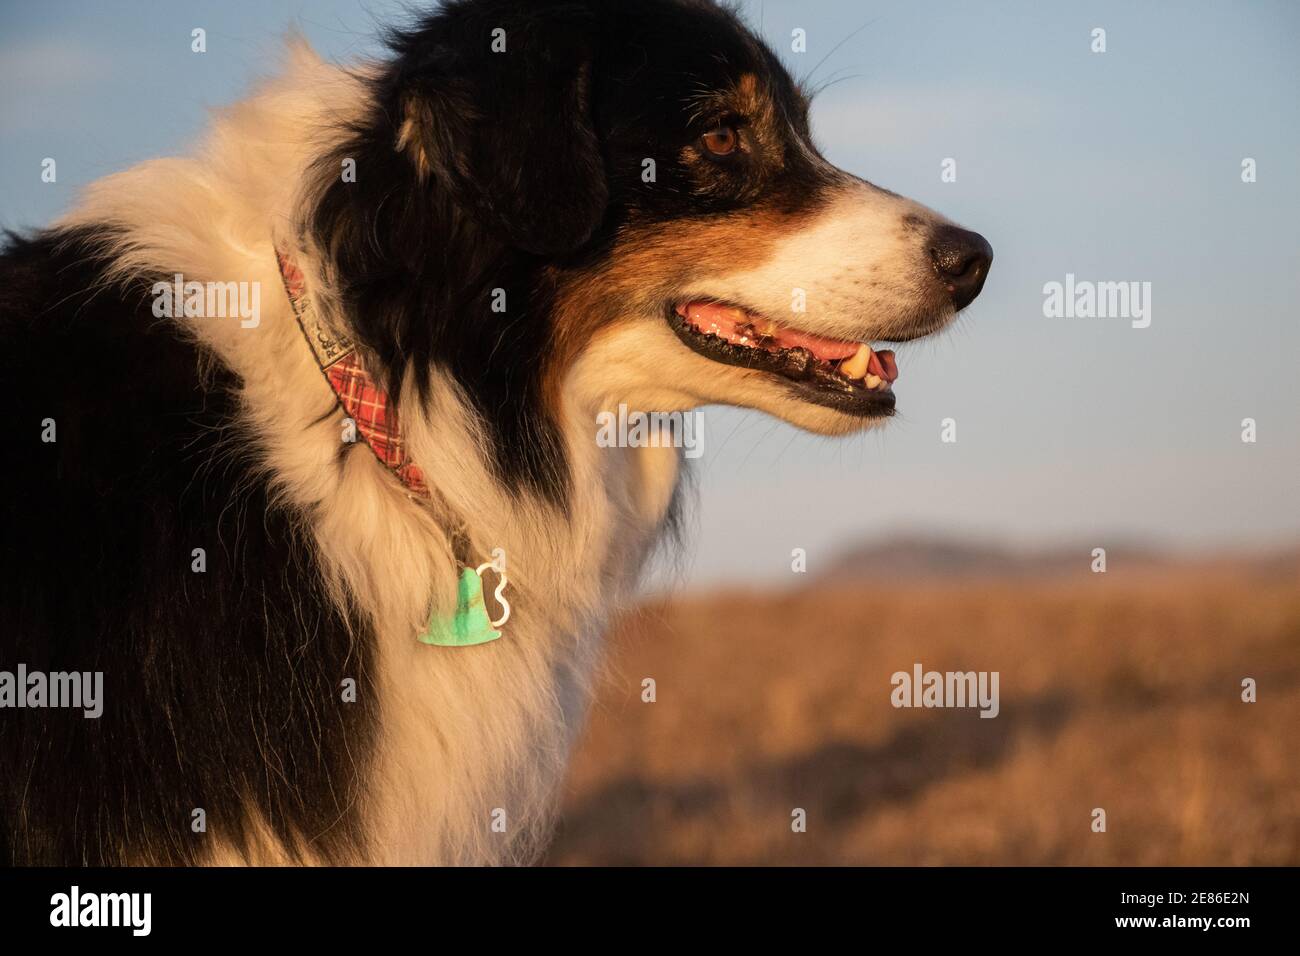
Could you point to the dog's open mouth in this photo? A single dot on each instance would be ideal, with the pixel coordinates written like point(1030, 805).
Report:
point(850, 376)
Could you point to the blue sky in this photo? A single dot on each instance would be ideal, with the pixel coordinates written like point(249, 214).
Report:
point(1116, 166)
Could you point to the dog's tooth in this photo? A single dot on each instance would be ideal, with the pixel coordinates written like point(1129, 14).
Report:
point(739, 316)
point(855, 366)
point(872, 381)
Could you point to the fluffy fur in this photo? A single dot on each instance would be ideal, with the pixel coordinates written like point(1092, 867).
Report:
point(475, 172)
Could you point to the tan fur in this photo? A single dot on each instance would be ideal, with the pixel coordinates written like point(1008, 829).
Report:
point(854, 256)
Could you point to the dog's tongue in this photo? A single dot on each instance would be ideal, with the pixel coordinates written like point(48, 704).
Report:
point(826, 349)
point(739, 328)
point(884, 365)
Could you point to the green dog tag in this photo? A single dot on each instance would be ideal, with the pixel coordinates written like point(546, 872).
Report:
point(470, 625)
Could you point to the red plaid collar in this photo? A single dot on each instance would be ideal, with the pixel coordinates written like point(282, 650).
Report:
point(358, 394)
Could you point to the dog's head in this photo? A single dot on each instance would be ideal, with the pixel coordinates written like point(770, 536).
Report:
point(624, 198)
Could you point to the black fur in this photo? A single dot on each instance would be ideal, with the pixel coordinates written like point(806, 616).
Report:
point(221, 689)
point(535, 159)
point(516, 178)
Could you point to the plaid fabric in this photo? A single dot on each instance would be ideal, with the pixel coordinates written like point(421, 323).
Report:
point(358, 394)
point(367, 404)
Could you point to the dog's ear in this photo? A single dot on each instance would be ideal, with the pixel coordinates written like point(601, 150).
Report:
point(502, 116)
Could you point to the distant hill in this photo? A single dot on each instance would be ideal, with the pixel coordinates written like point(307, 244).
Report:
point(933, 556)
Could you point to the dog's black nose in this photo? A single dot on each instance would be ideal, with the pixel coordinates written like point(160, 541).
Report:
point(961, 259)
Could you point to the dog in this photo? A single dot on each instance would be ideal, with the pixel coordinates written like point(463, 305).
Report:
point(273, 528)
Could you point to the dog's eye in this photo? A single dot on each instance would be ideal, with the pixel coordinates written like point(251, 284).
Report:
point(721, 141)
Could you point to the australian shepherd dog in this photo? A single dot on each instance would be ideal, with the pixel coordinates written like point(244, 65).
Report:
point(303, 473)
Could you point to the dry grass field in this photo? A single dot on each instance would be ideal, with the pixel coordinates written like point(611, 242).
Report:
point(1119, 690)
